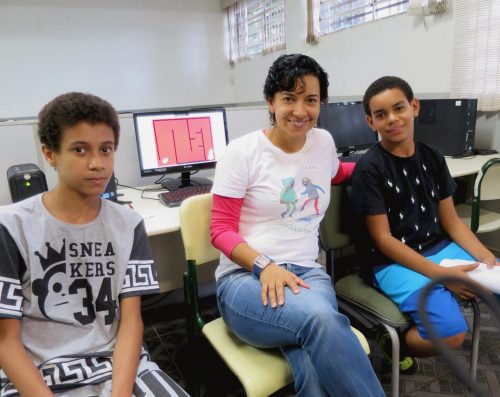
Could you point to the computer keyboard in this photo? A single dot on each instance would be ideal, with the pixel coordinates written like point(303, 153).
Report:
point(352, 158)
point(174, 198)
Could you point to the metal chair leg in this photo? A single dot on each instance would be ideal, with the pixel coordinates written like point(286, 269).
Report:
point(330, 264)
point(476, 328)
point(193, 383)
point(395, 360)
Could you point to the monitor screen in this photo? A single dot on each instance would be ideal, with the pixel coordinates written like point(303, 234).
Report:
point(180, 141)
point(346, 121)
point(447, 124)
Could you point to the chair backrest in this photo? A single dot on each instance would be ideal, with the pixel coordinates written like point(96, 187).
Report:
point(195, 215)
point(330, 230)
point(487, 183)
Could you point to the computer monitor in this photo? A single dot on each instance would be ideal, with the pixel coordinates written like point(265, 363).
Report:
point(346, 121)
point(448, 124)
point(180, 141)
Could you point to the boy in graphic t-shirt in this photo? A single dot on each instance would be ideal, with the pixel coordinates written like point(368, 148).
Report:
point(73, 269)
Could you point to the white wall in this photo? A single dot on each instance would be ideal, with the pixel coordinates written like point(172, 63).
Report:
point(142, 54)
point(416, 48)
point(402, 45)
point(488, 131)
point(138, 54)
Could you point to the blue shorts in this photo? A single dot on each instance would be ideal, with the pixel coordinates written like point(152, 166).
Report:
point(442, 309)
point(404, 286)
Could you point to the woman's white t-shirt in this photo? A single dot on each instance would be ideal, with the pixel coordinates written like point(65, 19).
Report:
point(285, 195)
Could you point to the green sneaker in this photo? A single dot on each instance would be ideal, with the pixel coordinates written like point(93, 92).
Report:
point(407, 365)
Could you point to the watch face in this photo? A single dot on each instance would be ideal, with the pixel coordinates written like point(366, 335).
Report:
point(262, 261)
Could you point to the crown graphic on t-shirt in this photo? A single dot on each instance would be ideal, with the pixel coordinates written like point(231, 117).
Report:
point(53, 256)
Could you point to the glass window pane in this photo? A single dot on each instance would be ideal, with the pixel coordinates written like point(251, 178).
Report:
point(259, 27)
point(335, 15)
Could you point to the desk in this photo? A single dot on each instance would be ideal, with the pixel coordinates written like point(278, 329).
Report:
point(158, 218)
point(163, 229)
point(467, 165)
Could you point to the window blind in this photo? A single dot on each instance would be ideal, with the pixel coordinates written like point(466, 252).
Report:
point(476, 53)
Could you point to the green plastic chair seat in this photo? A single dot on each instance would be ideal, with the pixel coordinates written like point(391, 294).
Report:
point(353, 289)
point(261, 371)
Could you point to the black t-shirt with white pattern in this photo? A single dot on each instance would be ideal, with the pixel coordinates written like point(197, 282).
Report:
point(408, 190)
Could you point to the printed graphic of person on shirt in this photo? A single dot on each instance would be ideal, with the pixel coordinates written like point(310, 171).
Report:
point(288, 197)
point(312, 193)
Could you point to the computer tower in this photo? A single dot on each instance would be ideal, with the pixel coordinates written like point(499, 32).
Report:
point(110, 191)
point(448, 124)
point(25, 180)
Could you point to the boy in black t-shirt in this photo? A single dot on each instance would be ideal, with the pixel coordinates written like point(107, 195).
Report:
point(403, 191)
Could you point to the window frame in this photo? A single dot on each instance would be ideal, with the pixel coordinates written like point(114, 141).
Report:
point(318, 9)
point(255, 27)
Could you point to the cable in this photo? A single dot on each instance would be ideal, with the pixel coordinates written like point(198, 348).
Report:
point(159, 189)
point(447, 354)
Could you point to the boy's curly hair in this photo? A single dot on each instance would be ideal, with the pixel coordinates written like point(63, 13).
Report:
point(67, 110)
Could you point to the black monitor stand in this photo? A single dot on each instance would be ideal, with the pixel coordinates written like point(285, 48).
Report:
point(184, 181)
point(467, 153)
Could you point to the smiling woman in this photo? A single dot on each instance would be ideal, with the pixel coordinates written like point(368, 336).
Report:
point(270, 192)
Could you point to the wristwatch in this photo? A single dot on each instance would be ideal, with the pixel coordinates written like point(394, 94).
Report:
point(260, 263)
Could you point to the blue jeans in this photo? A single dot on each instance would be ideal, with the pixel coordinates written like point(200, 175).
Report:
point(325, 355)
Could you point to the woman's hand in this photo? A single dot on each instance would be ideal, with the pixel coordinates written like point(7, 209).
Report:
point(274, 279)
point(459, 289)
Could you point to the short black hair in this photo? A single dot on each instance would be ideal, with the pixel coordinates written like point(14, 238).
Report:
point(382, 84)
point(290, 68)
point(67, 110)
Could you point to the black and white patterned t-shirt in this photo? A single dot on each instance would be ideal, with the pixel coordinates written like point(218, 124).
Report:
point(65, 283)
point(408, 190)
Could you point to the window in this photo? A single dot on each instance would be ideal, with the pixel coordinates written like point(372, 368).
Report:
point(336, 15)
point(476, 53)
point(255, 27)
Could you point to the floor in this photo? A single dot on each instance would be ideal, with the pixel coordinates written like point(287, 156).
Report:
point(165, 336)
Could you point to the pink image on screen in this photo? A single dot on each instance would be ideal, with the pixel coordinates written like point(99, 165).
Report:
point(183, 140)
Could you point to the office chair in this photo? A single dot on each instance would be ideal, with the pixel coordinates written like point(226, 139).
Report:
point(486, 188)
point(365, 304)
point(260, 371)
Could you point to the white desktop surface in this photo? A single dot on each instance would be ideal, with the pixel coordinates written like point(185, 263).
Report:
point(158, 218)
point(467, 165)
point(163, 229)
